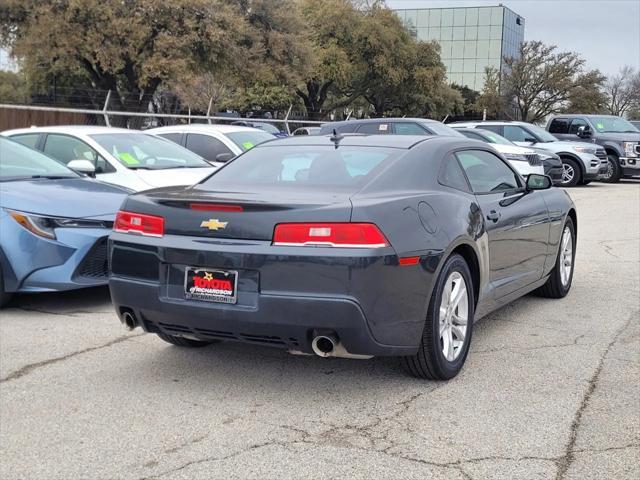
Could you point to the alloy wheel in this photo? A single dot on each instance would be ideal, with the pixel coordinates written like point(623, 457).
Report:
point(454, 316)
point(567, 173)
point(566, 256)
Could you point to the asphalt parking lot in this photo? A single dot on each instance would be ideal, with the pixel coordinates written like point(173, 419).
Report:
point(551, 389)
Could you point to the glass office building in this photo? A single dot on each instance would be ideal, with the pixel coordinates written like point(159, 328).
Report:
point(470, 38)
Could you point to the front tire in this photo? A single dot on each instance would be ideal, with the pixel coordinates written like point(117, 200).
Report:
point(570, 172)
point(614, 170)
point(184, 342)
point(448, 327)
point(559, 282)
point(4, 296)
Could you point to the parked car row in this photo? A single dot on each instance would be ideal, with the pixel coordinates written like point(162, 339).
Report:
point(361, 238)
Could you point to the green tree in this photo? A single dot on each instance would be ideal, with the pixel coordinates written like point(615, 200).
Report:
point(13, 88)
point(129, 47)
point(469, 96)
point(329, 83)
point(542, 80)
point(397, 74)
point(588, 96)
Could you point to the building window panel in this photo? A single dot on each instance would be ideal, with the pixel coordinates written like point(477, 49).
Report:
point(496, 32)
point(423, 34)
point(459, 15)
point(469, 65)
point(470, 49)
point(472, 17)
point(458, 33)
point(446, 33)
point(457, 66)
point(471, 33)
point(481, 64)
point(411, 18)
point(457, 49)
point(445, 48)
point(496, 15)
point(455, 78)
point(484, 16)
point(423, 18)
point(482, 49)
point(484, 33)
point(495, 49)
point(434, 18)
point(447, 17)
point(434, 33)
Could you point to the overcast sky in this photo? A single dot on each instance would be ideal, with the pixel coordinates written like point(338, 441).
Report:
point(605, 32)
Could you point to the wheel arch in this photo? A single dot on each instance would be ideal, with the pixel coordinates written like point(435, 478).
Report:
point(470, 256)
point(574, 218)
point(576, 159)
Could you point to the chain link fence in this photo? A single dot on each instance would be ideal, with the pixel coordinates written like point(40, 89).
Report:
point(77, 106)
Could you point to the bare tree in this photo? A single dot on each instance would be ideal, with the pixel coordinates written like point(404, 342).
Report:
point(541, 81)
point(623, 91)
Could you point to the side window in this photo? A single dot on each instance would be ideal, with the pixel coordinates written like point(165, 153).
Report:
point(494, 128)
point(559, 125)
point(66, 148)
point(452, 176)
point(205, 146)
point(474, 136)
point(174, 137)
point(575, 124)
point(516, 133)
point(374, 128)
point(486, 172)
point(408, 128)
point(28, 139)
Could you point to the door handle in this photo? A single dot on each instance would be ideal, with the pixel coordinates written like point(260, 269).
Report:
point(494, 216)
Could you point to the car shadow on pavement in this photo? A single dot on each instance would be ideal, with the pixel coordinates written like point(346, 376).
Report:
point(86, 299)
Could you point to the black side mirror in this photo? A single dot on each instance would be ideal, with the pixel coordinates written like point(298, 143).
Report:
point(584, 131)
point(530, 140)
point(224, 157)
point(536, 181)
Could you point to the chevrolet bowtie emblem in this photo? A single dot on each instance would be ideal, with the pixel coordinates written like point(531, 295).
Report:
point(213, 224)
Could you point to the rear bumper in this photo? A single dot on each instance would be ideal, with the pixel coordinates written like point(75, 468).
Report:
point(373, 305)
point(279, 320)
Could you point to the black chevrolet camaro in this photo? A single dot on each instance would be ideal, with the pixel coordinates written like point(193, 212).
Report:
point(346, 246)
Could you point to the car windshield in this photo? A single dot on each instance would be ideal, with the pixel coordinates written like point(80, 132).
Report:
point(142, 151)
point(492, 137)
point(612, 125)
point(442, 129)
point(18, 162)
point(249, 139)
point(541, 133)
point(267, 127)
point(305, 166)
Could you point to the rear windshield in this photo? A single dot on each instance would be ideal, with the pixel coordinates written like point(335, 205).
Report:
point(304, 166)
point(249, 139)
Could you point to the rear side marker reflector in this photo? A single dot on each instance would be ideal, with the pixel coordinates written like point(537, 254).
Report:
point(215, 207)
point(148, 225)
point(344, 235)
point(406, 261)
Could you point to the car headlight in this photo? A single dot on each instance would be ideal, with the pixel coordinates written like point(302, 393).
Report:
point(516, 157)
point(45, 226)
point(590, 150)
point(629, 149)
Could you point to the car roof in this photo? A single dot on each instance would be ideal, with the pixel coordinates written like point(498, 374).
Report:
point(205, 127)
point(70, 129)
point(390, 141)
point(588, 115)
point(381, 120)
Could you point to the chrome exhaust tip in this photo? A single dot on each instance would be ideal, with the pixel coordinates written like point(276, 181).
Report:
point(324, 345)
point(129, 321)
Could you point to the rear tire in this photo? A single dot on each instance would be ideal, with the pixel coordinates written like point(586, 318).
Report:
point(445, 315)
point(614, 170)
point(571, 173)
point(184, 342)
point(586, 182)
point(557, 285)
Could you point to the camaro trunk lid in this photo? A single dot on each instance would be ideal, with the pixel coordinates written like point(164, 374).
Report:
point(238, 213)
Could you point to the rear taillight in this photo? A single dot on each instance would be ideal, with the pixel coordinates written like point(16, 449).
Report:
point(346, 235)
point(128, 222)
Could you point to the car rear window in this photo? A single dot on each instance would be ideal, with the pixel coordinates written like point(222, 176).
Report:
point(304, 166)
